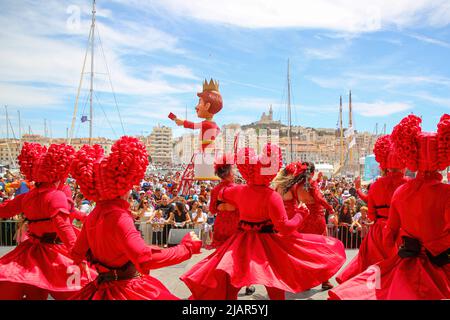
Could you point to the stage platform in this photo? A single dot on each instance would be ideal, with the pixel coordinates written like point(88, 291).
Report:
point(170, 277)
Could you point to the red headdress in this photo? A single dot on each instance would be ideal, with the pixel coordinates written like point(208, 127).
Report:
point(105, 178)
point(41, 165)
point(296, 168)
point(259, 170)
point(385, 155)
point(423, 151)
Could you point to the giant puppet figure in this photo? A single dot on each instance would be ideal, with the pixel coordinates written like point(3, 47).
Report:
point(210, 103)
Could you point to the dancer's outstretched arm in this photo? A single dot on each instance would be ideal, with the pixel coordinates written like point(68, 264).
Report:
point(147, 257)
point(11, 208)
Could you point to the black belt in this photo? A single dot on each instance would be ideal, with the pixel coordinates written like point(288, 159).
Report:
point(47, 238)
point(383, 206)
point(37, 220)
point(411, 248)
point(261, 227)
point(126, 272)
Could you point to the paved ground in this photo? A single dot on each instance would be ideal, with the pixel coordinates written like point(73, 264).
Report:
point(170, 277)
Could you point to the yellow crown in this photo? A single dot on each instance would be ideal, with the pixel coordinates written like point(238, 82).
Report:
point(211, 86)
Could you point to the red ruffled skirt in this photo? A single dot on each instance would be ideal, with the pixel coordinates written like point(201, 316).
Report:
point(225, 225)
point(397, 279)
point(141, 288)
point(43, 265)
point(291, 263)
point(371, 251)
point(314, 223)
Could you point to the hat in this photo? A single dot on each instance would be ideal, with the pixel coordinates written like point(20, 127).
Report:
point(41, 165)
point(104, 178)
point(346, 194)
point(259, 169)
point(423, 151)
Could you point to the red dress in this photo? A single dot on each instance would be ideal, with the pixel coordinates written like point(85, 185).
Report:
point(420, 209)
point(111, 237)
point(226, 222)
point(284, 260)
point(35, 262)
point(372, 249)
point(315, 222)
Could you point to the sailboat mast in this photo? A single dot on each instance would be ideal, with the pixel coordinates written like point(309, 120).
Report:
point(289, 114)
point(92, 73)
point(341, 135)
point(20, 125)
point(350, 125)
point(7, 125)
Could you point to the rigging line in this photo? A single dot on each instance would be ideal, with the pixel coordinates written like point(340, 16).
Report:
point(74, 117)
point(82, 113)
point(101, 106)
point(12, 129)
point(110, 82)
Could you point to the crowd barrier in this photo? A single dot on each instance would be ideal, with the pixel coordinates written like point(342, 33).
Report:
point(159, 234)
point(350, 237)
point(8, 231)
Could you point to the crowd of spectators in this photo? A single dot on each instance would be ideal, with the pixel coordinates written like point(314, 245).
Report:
point(157, 202)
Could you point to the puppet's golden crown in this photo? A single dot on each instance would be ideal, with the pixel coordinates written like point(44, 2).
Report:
point(211, 86)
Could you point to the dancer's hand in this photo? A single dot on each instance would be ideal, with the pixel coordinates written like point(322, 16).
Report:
point(85, 269)
point(194, 236)
point(179, 122)
point(358, 183)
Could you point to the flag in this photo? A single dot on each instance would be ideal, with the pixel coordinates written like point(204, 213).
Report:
point(349, 132)
point(84, 118)
point(352, 143)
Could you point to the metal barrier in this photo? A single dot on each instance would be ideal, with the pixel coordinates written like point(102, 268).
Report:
point(8, 231)
point(350, 237)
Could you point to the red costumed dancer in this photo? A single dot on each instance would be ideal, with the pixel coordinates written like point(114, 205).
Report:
point(109, 238)
point(266, 249)
point(227, 216)
point(372, 249)
point(311, 196)
point(296, 186)
point(41, 264)
point(420, 215)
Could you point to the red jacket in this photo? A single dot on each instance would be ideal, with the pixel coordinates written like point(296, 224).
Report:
point(421, 209)
point(42, 203)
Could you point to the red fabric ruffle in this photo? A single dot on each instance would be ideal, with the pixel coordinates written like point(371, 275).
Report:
point(293, 263)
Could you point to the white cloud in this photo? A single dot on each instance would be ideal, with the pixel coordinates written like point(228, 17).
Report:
point(22, 97)
point(342, 15)
point(430, 40)
point(380, 108)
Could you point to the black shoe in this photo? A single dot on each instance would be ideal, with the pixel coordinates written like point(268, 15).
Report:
point(327, 285)
point(249, 290)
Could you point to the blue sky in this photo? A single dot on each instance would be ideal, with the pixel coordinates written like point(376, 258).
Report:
point(393, 55)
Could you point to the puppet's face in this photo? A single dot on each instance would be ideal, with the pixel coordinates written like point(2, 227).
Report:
point(202, 109)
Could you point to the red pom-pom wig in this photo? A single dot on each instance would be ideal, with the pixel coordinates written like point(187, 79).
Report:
point(105, 178)
point(385, 155)
point(423, 151)
point(259, 170)
point(41, 165)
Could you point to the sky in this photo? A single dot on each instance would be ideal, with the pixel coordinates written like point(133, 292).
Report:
point(392, 55)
